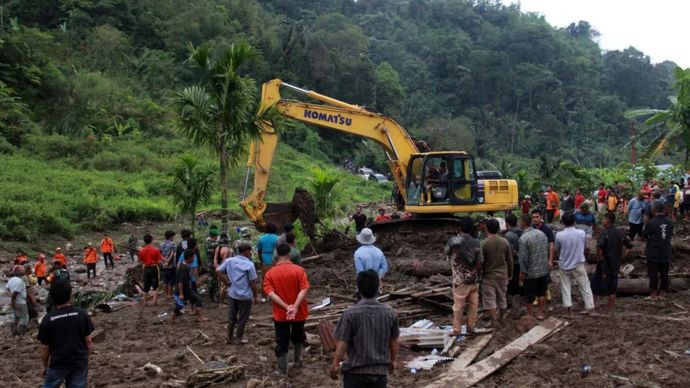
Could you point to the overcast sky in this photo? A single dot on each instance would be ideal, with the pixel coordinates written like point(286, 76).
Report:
point(659, 28)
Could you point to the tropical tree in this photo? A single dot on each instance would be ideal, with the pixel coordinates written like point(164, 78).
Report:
point(219, 112)
point(191, 186)
point(675, 120)
point(322, 185)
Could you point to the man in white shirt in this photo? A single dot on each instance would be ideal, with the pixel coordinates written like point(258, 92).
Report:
point(571, 244)
point(16, 290)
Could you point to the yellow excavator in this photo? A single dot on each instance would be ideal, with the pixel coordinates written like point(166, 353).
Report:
point(431, 186)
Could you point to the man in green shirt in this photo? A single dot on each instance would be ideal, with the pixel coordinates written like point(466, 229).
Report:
point(497, 268)
point(295, 256)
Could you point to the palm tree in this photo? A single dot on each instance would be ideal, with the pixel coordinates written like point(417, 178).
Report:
point(219, 112)
point(191, 186)
point(675, 119)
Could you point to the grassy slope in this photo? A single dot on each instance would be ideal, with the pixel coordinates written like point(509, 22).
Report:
point(66, 195)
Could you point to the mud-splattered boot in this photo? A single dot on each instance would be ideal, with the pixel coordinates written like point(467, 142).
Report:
point(298, 355)
point(283, 364)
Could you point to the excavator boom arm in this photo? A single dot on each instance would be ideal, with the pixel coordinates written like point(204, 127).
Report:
point(333, 114)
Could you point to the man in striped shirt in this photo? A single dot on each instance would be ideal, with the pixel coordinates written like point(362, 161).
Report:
point(534, 265)
point(368, 332)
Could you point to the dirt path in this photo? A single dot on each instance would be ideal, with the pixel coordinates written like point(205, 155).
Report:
point(628, 348)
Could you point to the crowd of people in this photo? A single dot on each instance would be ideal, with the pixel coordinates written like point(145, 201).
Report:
point(505, 270)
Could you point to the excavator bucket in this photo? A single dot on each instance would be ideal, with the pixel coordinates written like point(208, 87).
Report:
point(278, 213)
point(302, 207)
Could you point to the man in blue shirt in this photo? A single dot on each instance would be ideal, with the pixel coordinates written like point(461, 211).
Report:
point(241, 275)
point(266, 247)
point(637, 209)
point(368, 256)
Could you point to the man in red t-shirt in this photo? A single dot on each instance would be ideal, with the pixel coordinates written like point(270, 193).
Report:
point(601, 199)
point(150, 257)
point(579, 199)
point(286, 284)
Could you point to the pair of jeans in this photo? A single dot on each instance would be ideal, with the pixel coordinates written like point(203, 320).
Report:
point(579, 274)
point(90, 267)
point(465, 294)
point(635, 230)
point(239, 313)
point(287, 332)
point(656, 270)
point(353, 380)
point(73, 378)
point(108, 256)
point(550, 215)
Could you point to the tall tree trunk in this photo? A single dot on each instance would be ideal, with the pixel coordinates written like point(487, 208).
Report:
point(193, 221)
point(224, 185)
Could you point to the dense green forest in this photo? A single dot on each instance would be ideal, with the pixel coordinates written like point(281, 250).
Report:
point(86, 85)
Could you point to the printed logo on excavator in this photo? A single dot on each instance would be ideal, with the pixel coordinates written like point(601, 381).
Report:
point(335, 119)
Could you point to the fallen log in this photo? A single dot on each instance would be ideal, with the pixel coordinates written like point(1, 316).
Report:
point(640, 286)
point(466, 377)
point(422, 269)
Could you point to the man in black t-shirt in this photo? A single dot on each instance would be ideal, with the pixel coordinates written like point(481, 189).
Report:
point(658, 232)
point(360, 219)
point(66, 337)
point(610, 249)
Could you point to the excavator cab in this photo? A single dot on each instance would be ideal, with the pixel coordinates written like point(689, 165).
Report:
point(442, 178)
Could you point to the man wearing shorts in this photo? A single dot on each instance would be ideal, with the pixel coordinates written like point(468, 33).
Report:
point(496, 270)
point(184, 292)
point(534, 265)
point(168, 253)
point(150, 257)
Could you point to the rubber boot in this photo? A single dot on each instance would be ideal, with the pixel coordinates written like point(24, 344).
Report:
point(240, 334)
point(231, 332)
point(283, 364)
point(298, 355)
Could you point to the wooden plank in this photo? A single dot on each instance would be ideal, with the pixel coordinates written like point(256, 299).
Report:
point(463, 361)
point(466, 377)
point(470, 353)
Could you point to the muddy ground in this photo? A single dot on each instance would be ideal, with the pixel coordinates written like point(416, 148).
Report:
point(642, 343)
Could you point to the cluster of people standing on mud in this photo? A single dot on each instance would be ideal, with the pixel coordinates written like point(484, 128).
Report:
point(517, 264)
point(506, 269)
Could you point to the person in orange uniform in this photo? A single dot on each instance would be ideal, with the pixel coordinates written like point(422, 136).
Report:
point(59, 256)
point(21, 258)
point(40, 269)
point(107, 249)
point(150, 257)
point(553, 203)
point(382, 217)
point(90, 259)
point(286, 284)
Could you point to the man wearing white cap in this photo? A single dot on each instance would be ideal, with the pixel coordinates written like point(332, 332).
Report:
point(368, 256)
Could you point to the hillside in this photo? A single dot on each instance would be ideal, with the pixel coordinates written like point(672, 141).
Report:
point(86, 88)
